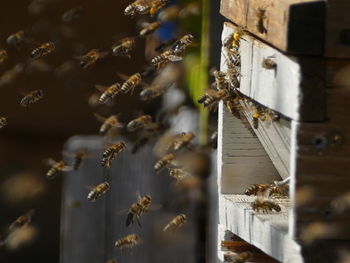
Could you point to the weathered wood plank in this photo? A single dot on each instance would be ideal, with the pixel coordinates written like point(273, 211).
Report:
point(296, 88)
point(295, 26)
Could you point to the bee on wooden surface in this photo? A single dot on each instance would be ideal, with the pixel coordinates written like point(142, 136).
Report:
point(3, 122)
point(164, 162)
point(22, 220)
point(238, 257)
point(128, 241)
point(178, 173)
point(32, 98)
point(265, 205)
point(139, 123)
point(177, 221)
point(233, 40)
point(256, 189)
point(268, 116)
point(256, 115)
point(137, 7)
point(152, 92)
point(11, 75)
point(214, 140)
point(149, 29)
point(97, 191)
point(183, 141)
point(79, 157)
point(165, 57)
point(137, 209)
point(269, 63)
point(157, 5)
point(3, 55)
point(56, 168)
point(261, 16)
point(108, 93)
point(89, 59)
point(72, 14)
point(109, 123)
point(43, 50)
point(181, 44)
point(111, 152)
point(124, 47)
point(278, 191)
point(131, 82)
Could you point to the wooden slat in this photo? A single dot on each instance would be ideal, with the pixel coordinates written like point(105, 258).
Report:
point(295, 26)
point(295, 89)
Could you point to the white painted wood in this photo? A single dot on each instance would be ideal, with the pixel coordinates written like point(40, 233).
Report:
point(268, 232)
point(276, 89)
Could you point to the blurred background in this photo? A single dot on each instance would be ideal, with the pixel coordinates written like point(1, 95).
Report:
point(39, 132)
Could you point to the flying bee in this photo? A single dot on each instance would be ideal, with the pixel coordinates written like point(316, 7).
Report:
point(10, 75)
point(164, 162)
point(78, 159)
point(256, 189)
point(22, 220)
point(111, 152)
point(56, 168)
point(137, 209)
point(238, 258)
point(89, 59)
point(3, 55)
point(152, 92)
point(157, 5)
point(109, 123)
point(3, 122)
point(32, 97)
point(131, 82)
point(178, 173)
point(128, 241)
point(139, 123)
point(341, 203)
point(184, 140)
point(124, 47)
point(43, 50)
point(265, 205)
point(165, 57)
point(16, 39)
point(149, 29)
point(169, 13)
point(177, 221)
point(181, 44)
point(72, 14)
point(108, 93)
point(261, 16)
point(138, 6)
point(97, 191)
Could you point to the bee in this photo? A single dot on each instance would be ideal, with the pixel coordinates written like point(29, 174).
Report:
point(152, 92)
point(56, 168)
point(3, 122)
point(220, 80)
point(233, 40)
point(131, 83)
point(137, 209)
point(261, 15)
point(16, 39)
point(3, 55)
point(169, 13)
point(256, 115)
point(22, 220)
point(10, 75)
point(138, 6)
point(149, 29)
point(178, 173)
point(211, 98)
point(97, 191)
point(269, 63)
point(32, 98)
point(341, 203)
point(180, 45)
point(156, 5)
point(124, 47)
point(177, 221)
point(78, 160)
point(184, 140)
point(127, 241)
point(89, 59)
point(139, 123)
point(43, 50)
point(108, 93)
point(318, 230)
point(256, 189)
point(111, 152)
point(238, 258)
point(109, 123)
point(265, 205)
point(72, 14)
point(164, 162)
point(162, 59)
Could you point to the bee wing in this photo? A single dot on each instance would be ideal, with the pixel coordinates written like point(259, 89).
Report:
point(49, 161)
point(99, 117)
point(123, 76)
point(101, 88)
point(174, 58)
point(67, 168)
point(129, 219)
point(138, 222)
point(154, 207)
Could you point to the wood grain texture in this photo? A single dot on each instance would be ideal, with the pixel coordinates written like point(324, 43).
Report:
point(296, 88)
point(294, 26)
